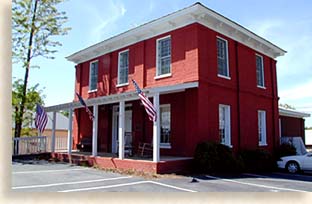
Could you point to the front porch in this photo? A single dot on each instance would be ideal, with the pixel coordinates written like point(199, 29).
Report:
point(167, 164)
point(121, 116)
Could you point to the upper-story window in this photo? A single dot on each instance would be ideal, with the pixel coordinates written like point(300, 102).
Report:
point(163, 56)
point(262, 128)
point(93, 77)
point(222, 55)
point(260, 71)
point(123, 67)
point(225, 125)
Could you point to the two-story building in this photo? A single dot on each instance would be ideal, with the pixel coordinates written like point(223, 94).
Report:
point(208, 77)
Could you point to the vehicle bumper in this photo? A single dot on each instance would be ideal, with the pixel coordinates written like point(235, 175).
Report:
point(280, 164)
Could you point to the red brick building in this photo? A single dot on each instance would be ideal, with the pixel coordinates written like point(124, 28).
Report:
point(209, 78)
point(292, 123)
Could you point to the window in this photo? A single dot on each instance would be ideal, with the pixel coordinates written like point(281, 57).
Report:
point(165, 121)
point(225, 125)
point(260, 72)
point(163, 56)
point(222, 55)
point(123, 67)
point(93, 77)
point(262, 128)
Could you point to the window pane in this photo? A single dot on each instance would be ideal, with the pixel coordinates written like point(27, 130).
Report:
point(165, 124)
point(123, 67)
point(222, 124)
point(93, 75)
point(164, 56)
point(259, 69)
point(222, 57)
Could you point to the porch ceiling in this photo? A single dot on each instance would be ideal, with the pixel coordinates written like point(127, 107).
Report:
point(127, 96)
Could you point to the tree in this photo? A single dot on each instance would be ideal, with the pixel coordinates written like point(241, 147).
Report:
point(287, 106)
point(33, 97)
point(34, 24)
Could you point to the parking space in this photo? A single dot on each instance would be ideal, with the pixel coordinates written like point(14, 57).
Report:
point(43, 176)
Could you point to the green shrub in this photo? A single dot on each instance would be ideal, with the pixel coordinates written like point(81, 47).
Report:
point(211, 157)
point(285, 150)
point(258, 160)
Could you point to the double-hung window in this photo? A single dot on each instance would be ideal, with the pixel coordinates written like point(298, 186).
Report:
point(222, 58)
point(262, 128)
point(165, 125)
point(225, 125)
point(93, 76)
point(163, 56)
point(123, 67)
point(260, 71)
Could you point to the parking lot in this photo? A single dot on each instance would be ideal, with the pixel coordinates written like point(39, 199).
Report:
point(43, 176)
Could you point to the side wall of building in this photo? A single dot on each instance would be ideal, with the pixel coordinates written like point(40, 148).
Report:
point(292, 127)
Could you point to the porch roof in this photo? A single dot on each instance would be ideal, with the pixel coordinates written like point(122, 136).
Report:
point(126, 96)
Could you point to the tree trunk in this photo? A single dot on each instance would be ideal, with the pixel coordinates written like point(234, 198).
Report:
point(18, 125)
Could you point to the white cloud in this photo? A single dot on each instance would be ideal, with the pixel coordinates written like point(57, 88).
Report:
point(302, 91)
point(106, 19)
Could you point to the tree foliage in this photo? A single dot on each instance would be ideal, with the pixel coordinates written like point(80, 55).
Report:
point(44, 23)
point(35, 23)
point(33, 97)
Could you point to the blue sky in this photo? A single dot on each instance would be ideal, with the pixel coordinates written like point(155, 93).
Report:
point(286, 23)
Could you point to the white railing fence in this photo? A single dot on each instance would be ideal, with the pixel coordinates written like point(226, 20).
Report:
point(29, 145)
point(38, 144)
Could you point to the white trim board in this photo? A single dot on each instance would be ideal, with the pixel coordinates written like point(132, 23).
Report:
point(127, 96)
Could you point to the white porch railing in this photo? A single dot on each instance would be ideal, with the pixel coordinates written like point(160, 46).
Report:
point(29, 145)
point(38, 144)
point(60, 143)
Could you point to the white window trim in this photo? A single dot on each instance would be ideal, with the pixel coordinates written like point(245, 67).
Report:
point(263, 129)
point(227, 60)
point(163, 76)
point(157, 66)
point(225, 77)
point(260, 86)
point(165, 145)
point(227, 124)
point(92, 90)
point(118, 79)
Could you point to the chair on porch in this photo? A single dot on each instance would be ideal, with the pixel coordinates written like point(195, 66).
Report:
point(145, 149)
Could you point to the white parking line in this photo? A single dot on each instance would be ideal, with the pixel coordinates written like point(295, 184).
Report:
point(257, 185)
point(48, 171)
point(175, 187)
point(69, 183)
point(103, 187)
point(274, 179)
point(126, 184)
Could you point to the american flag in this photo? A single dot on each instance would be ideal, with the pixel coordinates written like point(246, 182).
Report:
point(149, 107)
point(41, 119)
point(86, 107)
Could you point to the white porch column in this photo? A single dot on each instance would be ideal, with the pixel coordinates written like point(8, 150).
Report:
point(95, 130)
point(53, 132)
point(121, 130)
point(156, 130)
point(70, 131)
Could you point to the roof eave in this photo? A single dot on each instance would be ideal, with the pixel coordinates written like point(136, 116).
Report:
point(196, 13)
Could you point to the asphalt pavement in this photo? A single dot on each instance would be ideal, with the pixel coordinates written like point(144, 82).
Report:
point(44, 176)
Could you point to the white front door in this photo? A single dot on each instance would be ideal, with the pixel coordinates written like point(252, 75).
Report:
point(115, 125)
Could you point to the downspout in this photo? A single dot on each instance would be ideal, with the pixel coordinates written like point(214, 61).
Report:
point(273, 103)
point(238, 97)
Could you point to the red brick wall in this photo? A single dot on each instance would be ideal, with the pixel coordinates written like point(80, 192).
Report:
point(292, 127)
point(240, 92)
point(195, 111)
